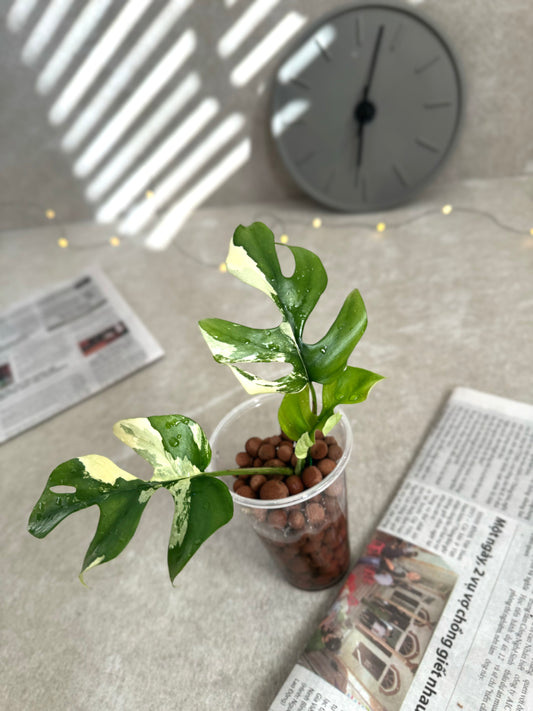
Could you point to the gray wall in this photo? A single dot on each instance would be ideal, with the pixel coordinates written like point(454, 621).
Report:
point(491, 37)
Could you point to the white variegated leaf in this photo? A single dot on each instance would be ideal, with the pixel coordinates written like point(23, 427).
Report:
point(144, 439)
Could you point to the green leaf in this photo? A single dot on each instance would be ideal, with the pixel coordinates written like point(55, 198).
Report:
point(183, 438)
point(295, 415)
point(178, 449)
point(253, 259)
point(329, 356)
point(173, 444)
point(120, 497)
point(232, 343)
point(330, 423)
point(206, 503)
point(350, 387)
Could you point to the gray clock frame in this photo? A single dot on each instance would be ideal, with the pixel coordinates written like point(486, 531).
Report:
point(337, 168)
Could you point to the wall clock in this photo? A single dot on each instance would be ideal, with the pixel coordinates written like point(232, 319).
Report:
point(366, 106)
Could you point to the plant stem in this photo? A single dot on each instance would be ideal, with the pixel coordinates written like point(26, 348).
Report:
point(250, 471)
point(314, 405)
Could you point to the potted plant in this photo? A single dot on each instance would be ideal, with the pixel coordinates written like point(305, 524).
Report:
point(180, 453)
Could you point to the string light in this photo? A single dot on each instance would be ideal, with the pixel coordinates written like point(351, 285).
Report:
point(222, 268)
point(279, 226)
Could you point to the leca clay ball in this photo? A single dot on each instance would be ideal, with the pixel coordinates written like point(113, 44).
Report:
point(311, 476)
point(315, 514)
point(294, 484)
point(273, 489)
point(252, 445)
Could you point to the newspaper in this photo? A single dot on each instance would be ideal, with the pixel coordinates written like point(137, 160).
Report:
point(438, 613)
point(63, 345)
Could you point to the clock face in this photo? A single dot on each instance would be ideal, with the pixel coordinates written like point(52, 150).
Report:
point(366, 107)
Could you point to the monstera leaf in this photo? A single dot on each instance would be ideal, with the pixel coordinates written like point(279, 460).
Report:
point(253, 259)
point(179, 452)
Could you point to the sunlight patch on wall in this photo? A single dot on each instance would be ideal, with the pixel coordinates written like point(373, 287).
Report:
point(232, 39)
point(141, 139)
point(122, 78)
point(156, 80)
point(267, 48)
point(45, 28)
point(71, 44)
point(141, 215)
point(19, 14)
point(125, 72)
point(173, 220)
point(289, 114)
point(307, 54)
point(171, 147)
point(97, 60)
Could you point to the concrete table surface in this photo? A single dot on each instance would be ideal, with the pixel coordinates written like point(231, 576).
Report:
point(450, 303)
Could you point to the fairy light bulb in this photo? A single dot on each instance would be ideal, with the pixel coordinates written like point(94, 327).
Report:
point(284, 239)
point(50, 214)
point(222, 268)
point(114, 241)
point(446, 209)
point(381, 227)
point(149, 194)
point(317, 223)
point(62, 242)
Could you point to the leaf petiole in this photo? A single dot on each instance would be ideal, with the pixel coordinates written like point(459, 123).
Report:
point(314, 401)
point(250, 471)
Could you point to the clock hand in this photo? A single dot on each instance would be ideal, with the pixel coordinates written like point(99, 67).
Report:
point(364, 111)
point(359, 158)
point(373, 61)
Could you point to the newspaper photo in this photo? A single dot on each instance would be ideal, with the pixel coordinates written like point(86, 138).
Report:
point(63, 345)
point(438, 612)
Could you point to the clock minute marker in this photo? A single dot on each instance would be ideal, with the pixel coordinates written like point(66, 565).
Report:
point(299, 82)
point(306, 157)
point(423, 143)
point(363, 190)
point(401, 177)
point(395, 41)
point(329, 181)
point(424, 67)
point(287, 124)
point(358, 33)
point(323, 50)
point(360, 184)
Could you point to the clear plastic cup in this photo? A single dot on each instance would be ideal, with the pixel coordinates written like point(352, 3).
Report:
point(310, 547)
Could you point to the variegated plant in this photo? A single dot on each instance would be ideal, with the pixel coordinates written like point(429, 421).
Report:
point(179, 452)
point(253, 259)
point(176, 446)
